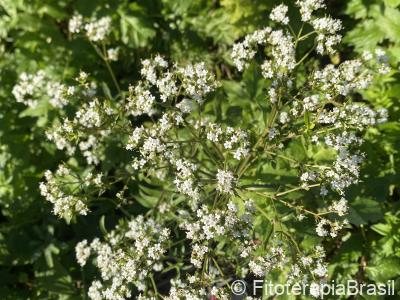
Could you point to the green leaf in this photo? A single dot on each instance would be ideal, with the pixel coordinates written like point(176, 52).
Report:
point(40, 110)
point(365, 36)
point(384, 269)
point(136, 32)
point(106, 90)
point(48, 254)
point(392, 3)
point(357, 8)
point(53, 11)
point(364, 210)
point(389, 22)
point(382, 229)
point(102, 225)
point(11, 6)
point(55, 280)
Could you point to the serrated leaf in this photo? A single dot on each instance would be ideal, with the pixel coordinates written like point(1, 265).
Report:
point(384, 269)
point(357, 8)
point(136, 32)
point(389, 23)
point(365, 36)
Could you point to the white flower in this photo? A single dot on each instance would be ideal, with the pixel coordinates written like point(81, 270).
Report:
point(186, 106)
point(225, 181)
point(320, 229)
point(279, 14)
point(311, 103)
point(82, 251)
point(272, 133)
point(340, 207)
point(112, 54)
point(140, 101)
point(284, 117)
point(75, 23)
point(97, 30)
point(197, 81)
point(315, 290)
point(321, 270)
point(307, 7)
point(29, 87)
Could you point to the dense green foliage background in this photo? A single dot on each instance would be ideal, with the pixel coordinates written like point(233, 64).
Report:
point(37, 258)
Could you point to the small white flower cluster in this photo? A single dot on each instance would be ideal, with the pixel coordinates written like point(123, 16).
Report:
point(29, 84)
point(87, 129)
point(213, 225)
point(311, 103)
point(313, 263)
point(121, 266)
point(90, 149)
point(31, 88)
point(279, 14)
point(149, 141)
point(307, 7)
point(308, 177)
point(345, 169)
point(64, 205)
point(185, 179)
point(283, 58)
point(82, 251)
point(225, 182)
point(186, 106)
point(280, 45)
point(156, 148)
point(140, 101)
point(89, 115)
point(193, 81)
point(353, 116)
point(59, 94)
point(183, 291)
point(379, 56)
point(327, 227)
point(150, 67)
point(340, 207)
point(262, 265)
point(281, 49)
point(233, 140)
point(112, 54)
point(327, 38)
point(349, 76)
point(197, 81)
point(75, 23)
point(96, 30)
point(195, 290)
point(243, 52)
point(345, 172)
point(284, 117)
point(59, 136)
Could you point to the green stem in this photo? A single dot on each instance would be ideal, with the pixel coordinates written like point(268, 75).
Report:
point(296, 189)
point(105, 58)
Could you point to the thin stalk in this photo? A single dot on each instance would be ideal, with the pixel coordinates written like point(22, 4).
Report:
point(110, 70)
point(296, 189)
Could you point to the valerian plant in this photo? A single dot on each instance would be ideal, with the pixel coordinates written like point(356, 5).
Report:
point(217, 185)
